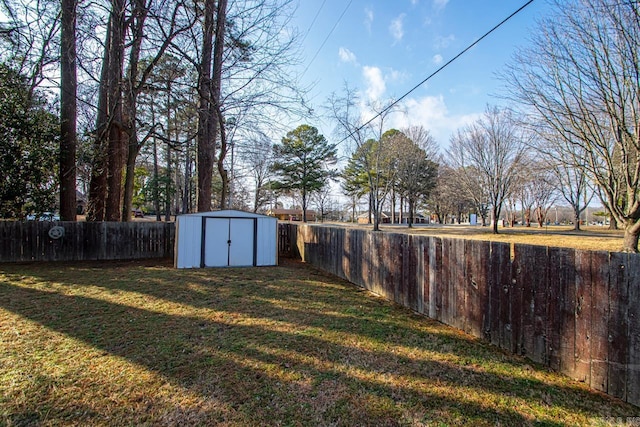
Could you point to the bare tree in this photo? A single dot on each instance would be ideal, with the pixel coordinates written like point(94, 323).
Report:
point(257, 158)
point(371, 149)
point(580, 78)
point(416, 172)
point(572, 178)
point(488, 154)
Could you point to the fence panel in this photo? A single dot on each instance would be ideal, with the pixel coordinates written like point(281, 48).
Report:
point(85, 241)
point(577, 312)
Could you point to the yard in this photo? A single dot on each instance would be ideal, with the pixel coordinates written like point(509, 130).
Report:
point(135, 343)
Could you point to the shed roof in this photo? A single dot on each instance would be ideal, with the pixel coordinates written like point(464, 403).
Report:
point(228, 213)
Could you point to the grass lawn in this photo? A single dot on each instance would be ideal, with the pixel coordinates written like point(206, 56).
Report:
point(140, 343)
point(592, 238)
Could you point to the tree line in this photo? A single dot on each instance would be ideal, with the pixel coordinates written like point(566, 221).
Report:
point(145, 102)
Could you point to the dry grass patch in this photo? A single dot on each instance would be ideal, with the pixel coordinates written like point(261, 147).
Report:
point(144, 344)
point(589, 238)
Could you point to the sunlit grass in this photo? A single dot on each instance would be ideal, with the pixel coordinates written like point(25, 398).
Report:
point(593, 238)
point(145, 344)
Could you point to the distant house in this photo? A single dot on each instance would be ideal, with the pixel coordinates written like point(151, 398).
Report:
point(386, 217)
point(291, 214)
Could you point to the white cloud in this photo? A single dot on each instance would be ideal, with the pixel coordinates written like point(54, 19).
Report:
point(414, 2)
point(432, 113)
point(368, 18)
point(444, 42)
point(437, 59)
point(396, 28)
point(375, 85)
point(440, 4)
point(346, 55)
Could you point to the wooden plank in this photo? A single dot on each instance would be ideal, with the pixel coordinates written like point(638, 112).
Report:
point(394, 262)
point(458, 285)
point(367, 260)
point(531, 274)
point(583, 316)
point(633, 364)
point(540, 290)
point(409, 284)
point(499, 287)
point(419, 275)
point(599, 321)
point(618, 325)
point(562, 273)
point(477, 289)
point(435, 278)
point(445, 285)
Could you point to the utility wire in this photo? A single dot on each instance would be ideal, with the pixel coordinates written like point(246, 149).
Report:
point(437, 71)
point(313, 22)
point(327, 37)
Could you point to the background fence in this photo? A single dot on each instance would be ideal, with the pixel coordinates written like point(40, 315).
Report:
point(33, 241)
point(577, 312)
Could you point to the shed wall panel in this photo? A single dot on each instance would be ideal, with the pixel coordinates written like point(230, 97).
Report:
point(189, 238)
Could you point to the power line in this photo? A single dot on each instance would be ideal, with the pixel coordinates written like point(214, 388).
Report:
point(313, 22)
point(437, 71)
point(327, 37)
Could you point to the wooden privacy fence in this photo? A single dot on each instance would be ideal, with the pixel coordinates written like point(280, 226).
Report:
point(577, 312)
point(79, 241)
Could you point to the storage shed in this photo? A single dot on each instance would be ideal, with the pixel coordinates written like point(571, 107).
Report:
point(226, 238)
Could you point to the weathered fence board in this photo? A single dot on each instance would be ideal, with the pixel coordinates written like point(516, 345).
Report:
point(599, 321)
point(477, 299)
point(583, 316)
point(577, 312)
point(618, 324)
point(435, 278)
point(30, 241)
point(633, 316)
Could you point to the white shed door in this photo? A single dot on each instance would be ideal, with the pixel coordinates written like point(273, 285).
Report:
point(241, 246)
point(228, 242)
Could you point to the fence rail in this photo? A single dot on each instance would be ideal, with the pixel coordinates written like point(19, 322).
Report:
point(79, 241)
point(577, 312)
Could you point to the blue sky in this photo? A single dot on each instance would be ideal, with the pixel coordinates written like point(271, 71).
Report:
point(385, 47)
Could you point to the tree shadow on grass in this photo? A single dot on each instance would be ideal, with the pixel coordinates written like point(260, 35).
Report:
point(296, 376)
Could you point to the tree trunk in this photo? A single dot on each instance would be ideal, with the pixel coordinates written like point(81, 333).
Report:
point(393, 207)
point(129, 181)
point(411, 214)
point(206, 145)
point(631, 234)
point(576, 220)
point(495, 214)
point(186, 198)
point(116, 136)
point(304, 205)
point(130, 108)
point(168, 179)
point(218, 50)
point(167, 194)
point(209, 88)
point(156, 179)
point(98, 181)
point(224, 174)
point(68, 111)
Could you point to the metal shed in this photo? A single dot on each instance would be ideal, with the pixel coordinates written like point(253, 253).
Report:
point(226, 238)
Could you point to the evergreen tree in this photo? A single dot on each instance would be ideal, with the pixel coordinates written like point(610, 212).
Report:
point(29, 135)
point(302, 162)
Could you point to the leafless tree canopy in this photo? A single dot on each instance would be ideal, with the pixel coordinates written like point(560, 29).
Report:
point(487, 156)
point(579, 83)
